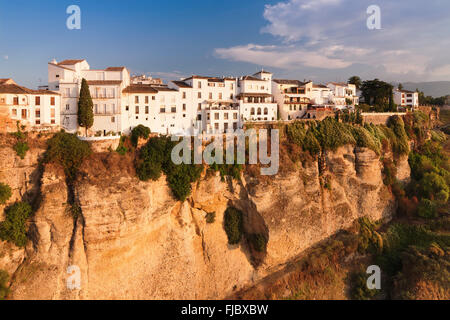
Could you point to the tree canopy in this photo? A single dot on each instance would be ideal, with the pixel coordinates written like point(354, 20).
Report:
point(85, 107)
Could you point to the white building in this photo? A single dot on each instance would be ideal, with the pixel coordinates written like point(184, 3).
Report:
point(292, 97)
point(106, 90)
point(321, 95)
point(36, 109)
point(343, 94)
point(256, 102)
point(406, 99)
point(143, 79)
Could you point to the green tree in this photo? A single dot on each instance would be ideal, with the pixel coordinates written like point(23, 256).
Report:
point(4, 290)
point(356, 81)
point(233, 225)
point(400, 86)
point(378, 93)
point(85, 107)
point(5, 193)
point(14, 229)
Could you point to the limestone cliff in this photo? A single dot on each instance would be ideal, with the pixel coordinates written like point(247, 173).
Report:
point(132, 240)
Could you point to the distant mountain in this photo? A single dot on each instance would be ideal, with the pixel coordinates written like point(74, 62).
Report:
point(435, 89)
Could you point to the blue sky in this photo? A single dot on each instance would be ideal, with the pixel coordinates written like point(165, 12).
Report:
point(322, 40)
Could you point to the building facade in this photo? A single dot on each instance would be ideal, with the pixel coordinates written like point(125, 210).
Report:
point(406, 99)
point(34, 109)
point(292, 97)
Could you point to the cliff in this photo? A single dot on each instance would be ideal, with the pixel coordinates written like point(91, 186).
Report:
point(132, 240)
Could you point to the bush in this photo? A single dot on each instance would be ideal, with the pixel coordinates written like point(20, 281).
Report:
point(427, 209)
point(359, 289)
point(210, 217)
point(401, 143)
point(13, 229)
point(4, 290)
point(5, 193)
point(139, 132)
point(259, 242)
point(21, 148)
point(155, 158)
point(121, 148)
point(233, 225)
point(68, 151)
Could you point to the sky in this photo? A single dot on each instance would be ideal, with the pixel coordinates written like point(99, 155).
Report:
point(319, 40)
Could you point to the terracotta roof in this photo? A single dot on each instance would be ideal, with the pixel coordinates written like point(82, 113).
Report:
point(163, 88)
point(61, 67)
point(209, 78)
point(286, 81)
point(320, 86)
point(181, 84)
point(104, 82)
point(115, 68)
point(69, 62)
point(16, 89)
point(251, 78)
point(264, 71)
point(140, 88)
point(7, 81)
point(342, 84)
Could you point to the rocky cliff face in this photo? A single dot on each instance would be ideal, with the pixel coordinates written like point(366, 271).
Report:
point(132, 240)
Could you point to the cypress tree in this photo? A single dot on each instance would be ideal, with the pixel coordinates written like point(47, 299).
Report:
point(85, 107)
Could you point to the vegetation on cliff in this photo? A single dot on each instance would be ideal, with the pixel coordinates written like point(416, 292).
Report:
point(4, 290)
point(233, 223)
point(14, 229)
point(155, 158)
point(5, 193)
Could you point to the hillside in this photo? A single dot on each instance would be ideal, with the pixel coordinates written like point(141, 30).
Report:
point(435, 89)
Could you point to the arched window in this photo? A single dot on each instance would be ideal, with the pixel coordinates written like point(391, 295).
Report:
point(266, 111)
point(259, 111)
point(252, 111)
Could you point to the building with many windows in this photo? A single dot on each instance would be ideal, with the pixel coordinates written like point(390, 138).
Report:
point(35, 109)
point(292, 97)
point(406, 99)
point(343, 94)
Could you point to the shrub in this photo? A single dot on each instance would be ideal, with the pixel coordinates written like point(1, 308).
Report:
point(139, 132)
point(400, 144)
point(365, 139)
point(13, 229)
point(233, 225)
point(155, 158)
point(5, 193)
point(359, 289)
point(258, 241)
point(21, 148)
point(68, 151)
point(433, 186)
point(121, 148)
point(427, 209)
point(389, 172)
point(210, 217)
point(4, 290)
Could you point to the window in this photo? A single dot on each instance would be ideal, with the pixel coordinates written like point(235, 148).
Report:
point(252, 112)
point(137, 110)
point(174, 109)
point(57, 76)
point(216, 126)
point(16, 101)
point(199, 85)
point(52, 121)
point(95, 108)
point(184, 106)
point(38, 101)
point(235, 116)
point(199, 95)
point(67, 107)
point(136, 99)
point(146, 99)
point(216, 116)
point(231, 96)
point(225, 126)
point(153, 98)
point(127, 108)
point(24, 113)
point(14, 112)
point(210, 96)
point(38, 121)
point(220, 96)
point(162, 110)
point(52, 101)
point(199, 106)
point(113, 119)
point(52, 113)
point(184, 94)
point(38, 113)
point(146, 109)
point(226, 116)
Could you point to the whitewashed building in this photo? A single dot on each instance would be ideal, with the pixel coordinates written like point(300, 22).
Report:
point(292, 97)
point(256, 102)
point(35, 109)
point(343, 94)
point(321, 95)
point(406, 99)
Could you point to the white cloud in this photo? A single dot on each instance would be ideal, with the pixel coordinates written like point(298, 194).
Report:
point(332, 34)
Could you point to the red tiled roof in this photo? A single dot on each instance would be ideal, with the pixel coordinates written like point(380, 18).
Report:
point(181, 84)
point(115, 68)
point(69, 62)
point(140, 88)
point(286, 81)
point(251, 78)
point(16, 89)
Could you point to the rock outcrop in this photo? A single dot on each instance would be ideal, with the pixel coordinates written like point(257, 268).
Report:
point(132, 240)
